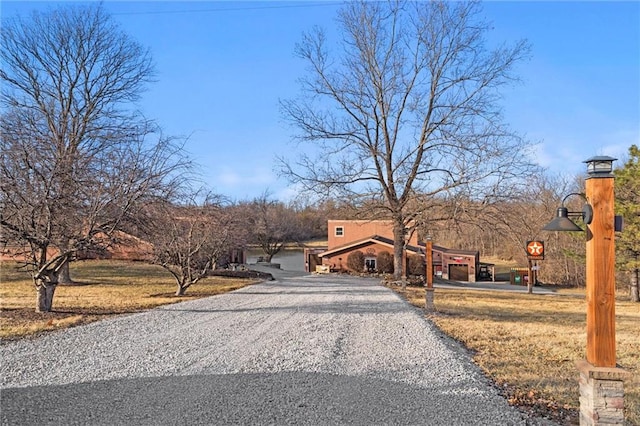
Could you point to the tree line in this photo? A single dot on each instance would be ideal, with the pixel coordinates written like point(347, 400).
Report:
point(408, 111)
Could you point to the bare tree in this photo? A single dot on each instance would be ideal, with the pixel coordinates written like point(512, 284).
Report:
point(273, 224)
point(408, 107)
point(501, 229)
point(188, 240)
point(76, 161)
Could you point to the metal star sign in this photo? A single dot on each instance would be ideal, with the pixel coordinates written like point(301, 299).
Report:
point(535, 250)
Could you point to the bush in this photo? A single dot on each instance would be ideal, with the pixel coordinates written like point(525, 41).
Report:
point(355, 261)
point(416, 266)
point(385, 262)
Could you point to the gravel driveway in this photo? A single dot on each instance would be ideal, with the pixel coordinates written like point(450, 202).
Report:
point(299, 350)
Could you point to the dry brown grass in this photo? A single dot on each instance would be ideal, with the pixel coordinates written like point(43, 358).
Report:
point(102, 289)
point(528, 344)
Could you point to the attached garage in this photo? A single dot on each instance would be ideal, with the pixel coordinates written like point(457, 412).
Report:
point(456, 265)
point(459, 272)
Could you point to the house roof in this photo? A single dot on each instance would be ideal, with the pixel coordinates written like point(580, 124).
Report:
point(455, 251)
point(375, 239)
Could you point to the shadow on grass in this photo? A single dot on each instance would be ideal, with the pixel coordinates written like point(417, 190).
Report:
point(79, 283)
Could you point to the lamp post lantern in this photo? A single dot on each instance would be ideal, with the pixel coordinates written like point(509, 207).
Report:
point(600, 166)
point(562, 222)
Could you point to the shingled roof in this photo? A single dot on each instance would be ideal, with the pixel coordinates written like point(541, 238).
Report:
point(375, 239)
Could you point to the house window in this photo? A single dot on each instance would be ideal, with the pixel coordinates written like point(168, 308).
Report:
point(370, 264)
point(339, 231)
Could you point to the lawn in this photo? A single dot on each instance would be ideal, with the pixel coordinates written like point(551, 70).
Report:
point(529, 344)
point(102, 289)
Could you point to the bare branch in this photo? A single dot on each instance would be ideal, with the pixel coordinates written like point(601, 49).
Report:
point(77, 160)
point(408, 108)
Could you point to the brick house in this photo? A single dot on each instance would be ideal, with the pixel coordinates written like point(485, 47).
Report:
point(372, 237)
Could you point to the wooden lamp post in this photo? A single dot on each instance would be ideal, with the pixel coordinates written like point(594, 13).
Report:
point(601, 332)
point(601, 383)
point(428, 296)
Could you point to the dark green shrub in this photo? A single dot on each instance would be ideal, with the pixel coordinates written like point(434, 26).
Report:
point(385, 262)
point(416, 265)
point(355, 261)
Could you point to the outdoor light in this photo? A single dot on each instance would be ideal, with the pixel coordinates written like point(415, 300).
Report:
point(600, 166)
point(562, 221)
point(600, 378)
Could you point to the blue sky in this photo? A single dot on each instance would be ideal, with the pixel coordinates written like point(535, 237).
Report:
point(222, 67)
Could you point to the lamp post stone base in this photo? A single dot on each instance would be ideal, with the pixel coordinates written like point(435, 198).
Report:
point(601, 394)
point(428, 298)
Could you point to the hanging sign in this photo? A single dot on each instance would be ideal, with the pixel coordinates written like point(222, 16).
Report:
point(535, 250)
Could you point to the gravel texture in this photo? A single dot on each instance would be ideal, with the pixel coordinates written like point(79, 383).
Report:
point(305, 350)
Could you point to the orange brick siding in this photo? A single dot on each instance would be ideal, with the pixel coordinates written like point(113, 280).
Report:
point(338, 261)
point(354, 230)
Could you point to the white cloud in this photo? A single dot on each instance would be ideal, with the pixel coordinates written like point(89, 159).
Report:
point(620, 150)
point(565, 152)
point(245, 176)
point(229, 178)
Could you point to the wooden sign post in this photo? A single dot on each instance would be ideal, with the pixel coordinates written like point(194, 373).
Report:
point(535, 251)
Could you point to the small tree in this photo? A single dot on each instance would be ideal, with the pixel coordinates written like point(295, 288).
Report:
point(355, 261)
point(272, 225)
point(189, 239)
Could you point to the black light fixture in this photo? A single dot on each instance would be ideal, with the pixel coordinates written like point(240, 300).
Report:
point(562, 222)
point(600, 166)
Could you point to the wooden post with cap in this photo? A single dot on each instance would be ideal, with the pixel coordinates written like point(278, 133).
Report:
point(601, 332)
point(601, 382)
point(428, 296)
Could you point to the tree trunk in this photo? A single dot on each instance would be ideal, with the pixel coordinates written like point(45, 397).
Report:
point(398, 249)
point(271, 249)
point(183, 284)
point(633, 293)
point(65, 276)
point(44, 295)
point(46, 283)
